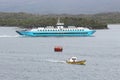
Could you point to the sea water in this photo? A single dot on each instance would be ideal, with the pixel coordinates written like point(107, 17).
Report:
point(33, 58)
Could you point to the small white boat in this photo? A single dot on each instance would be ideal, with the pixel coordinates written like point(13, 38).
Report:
point(74, 60)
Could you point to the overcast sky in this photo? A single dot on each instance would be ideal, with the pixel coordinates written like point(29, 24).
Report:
point(60, 6)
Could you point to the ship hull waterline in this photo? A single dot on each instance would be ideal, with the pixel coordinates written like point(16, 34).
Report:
point(56, 34)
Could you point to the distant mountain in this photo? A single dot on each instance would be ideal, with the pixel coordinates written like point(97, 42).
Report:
point(110, 17)
point(96, 21)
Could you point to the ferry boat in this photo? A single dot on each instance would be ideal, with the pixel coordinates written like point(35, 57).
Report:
point(58, 31)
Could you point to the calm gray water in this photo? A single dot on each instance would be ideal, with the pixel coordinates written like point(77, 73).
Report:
point(27, 58)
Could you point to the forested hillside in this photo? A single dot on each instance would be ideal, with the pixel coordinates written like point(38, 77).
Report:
point(94, 21)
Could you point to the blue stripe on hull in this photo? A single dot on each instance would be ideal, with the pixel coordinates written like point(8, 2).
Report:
point(50, 34)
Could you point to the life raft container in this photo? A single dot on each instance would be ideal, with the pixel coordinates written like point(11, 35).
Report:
point(58, 49)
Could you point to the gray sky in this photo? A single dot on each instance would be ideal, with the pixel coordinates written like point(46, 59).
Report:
point(60, 6)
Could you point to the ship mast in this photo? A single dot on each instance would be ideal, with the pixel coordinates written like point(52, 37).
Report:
point(58, 20)
point(59, 25)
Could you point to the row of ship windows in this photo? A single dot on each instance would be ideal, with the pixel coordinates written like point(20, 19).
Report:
point(62, 33)
point(61, 30)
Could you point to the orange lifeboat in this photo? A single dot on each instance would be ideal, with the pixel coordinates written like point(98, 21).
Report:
point(58, 49)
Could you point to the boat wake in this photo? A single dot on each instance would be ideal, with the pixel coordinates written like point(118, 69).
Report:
point(7, 36)
point(55, 61)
